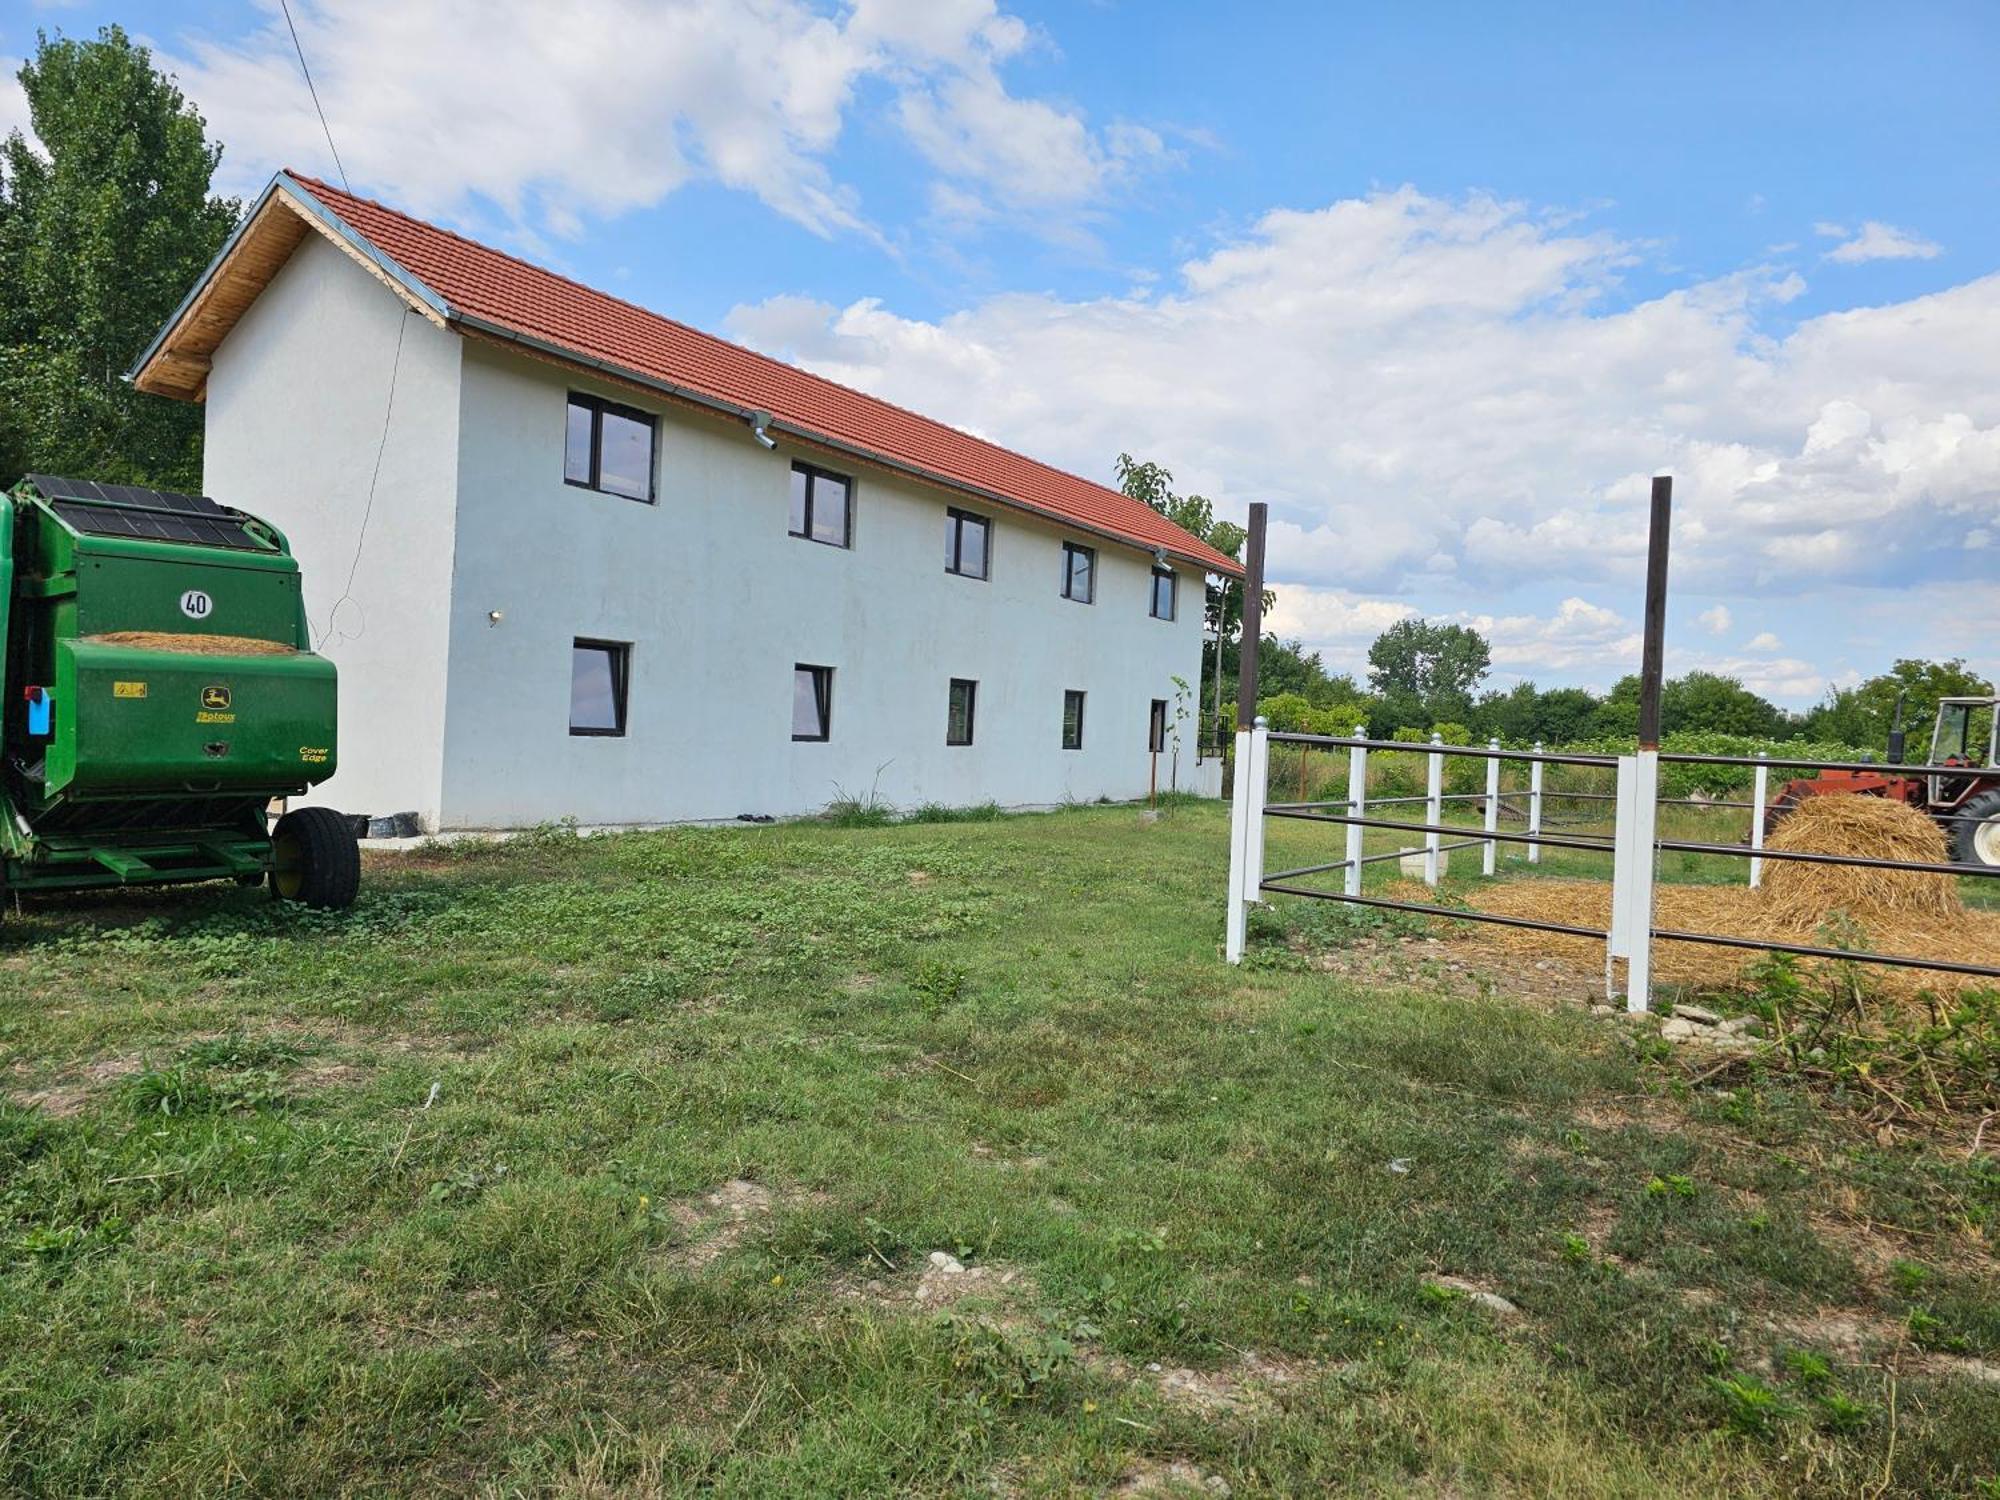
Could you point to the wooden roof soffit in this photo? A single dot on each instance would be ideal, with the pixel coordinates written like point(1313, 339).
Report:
point(177, 366)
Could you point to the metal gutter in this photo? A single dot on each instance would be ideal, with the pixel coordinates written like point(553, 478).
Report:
point(298, 194)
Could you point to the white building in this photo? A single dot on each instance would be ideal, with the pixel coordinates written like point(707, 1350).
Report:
point(576, 560)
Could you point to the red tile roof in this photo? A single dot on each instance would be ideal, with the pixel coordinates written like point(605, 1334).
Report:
point(485, 285)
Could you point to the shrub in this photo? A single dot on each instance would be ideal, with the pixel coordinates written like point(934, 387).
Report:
point(1285, 711)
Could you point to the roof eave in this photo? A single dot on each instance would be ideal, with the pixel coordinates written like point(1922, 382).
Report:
point(285, 194)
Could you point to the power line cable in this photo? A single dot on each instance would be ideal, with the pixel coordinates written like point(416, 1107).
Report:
point(368, 509)
point(286, 6)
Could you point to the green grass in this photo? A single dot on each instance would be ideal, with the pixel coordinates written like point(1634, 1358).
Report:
point(413, 1199)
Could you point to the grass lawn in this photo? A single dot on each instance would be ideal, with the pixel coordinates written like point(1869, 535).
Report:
point(616, 1167)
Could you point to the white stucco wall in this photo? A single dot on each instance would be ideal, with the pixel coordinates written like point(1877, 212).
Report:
point(719, 603)
point(295, 410)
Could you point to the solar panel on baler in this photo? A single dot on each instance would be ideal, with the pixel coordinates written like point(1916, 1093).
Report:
point(117, 520)
point(156, 515)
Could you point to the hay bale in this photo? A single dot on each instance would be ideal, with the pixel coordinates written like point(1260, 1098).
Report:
point(194, 645)
point(1800, 896)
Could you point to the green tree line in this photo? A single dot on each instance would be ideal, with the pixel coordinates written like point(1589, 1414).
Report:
point(1429, 677)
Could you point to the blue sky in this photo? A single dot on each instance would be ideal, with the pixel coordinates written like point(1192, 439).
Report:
point(1443, 283)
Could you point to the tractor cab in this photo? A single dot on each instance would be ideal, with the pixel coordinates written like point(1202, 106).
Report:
point(1968, 806)
point(1967, 734)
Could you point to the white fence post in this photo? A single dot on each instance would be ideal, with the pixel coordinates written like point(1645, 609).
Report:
point(1757, 818)
point(1646, 810)
point(1492, 805)
point(1433, 813)
point(1535, 805)
point(1357, 807)
point(1632, 879)
point(1239, 832)
point(1253, 866)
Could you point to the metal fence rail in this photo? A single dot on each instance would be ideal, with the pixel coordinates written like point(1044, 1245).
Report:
point(1634, 843)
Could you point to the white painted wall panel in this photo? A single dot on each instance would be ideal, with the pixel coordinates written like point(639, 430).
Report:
point(719, 603)
point(295, 411)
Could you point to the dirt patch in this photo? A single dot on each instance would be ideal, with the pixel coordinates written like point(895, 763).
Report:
point(326, 1075)
point(1481, 1295)
point(1151, 1476)
point(942, 1282)
point(69, 1093)
point(1246, 1388)
point(1456, 970)
point(989, 1156)
point(1844, 1330)
point(1983, 1370)
point(719, 1220)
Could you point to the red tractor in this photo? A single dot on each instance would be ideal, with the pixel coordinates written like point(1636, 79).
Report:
point(1964, 799)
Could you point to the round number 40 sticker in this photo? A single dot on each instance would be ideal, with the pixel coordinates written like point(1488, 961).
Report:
point(196, 605)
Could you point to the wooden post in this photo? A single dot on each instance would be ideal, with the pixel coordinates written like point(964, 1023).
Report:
point(1644, 799)
point(1253, 616)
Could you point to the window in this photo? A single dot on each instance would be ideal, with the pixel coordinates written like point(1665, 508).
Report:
point(609, 448)
point(598, 672)
point(812, 702)
point(1072, 720)
point(965, 543)
point(822, 509)
point(1164, 589)
point(958, 720)
point(1079, 573)
point(1156, 728)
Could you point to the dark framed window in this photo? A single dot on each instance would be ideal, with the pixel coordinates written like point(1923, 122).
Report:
point(1165, 588)
point(958, 718)
point(1079, 573)
point(822, 506)
point(1072, 733)
point(599, 672)
point(812, 702)
point(609, 447)
point(968, 544)
point(1156, 727)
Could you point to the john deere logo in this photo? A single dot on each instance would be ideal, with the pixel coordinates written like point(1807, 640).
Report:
point(215, 697)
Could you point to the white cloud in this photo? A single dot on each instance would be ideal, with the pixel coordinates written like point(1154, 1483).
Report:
point(1581, 641)
point(617, 103)
point(1785, 679)
point(1764, 640)
point(1339, 626)
point(14, 102)
point(1446, 400)
point(1878, 241)
point(1429, 389)
point(1716, 621)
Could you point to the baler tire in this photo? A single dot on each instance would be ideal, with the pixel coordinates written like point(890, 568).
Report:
point(1976, 833)
point(315, 860)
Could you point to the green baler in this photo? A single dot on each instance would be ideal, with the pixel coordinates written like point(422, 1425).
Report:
point(160, 693)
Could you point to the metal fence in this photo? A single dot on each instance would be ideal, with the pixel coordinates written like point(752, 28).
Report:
point(1634, 843)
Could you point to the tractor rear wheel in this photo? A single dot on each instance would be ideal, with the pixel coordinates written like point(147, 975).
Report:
point(1976, 831)
point(314, 859)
